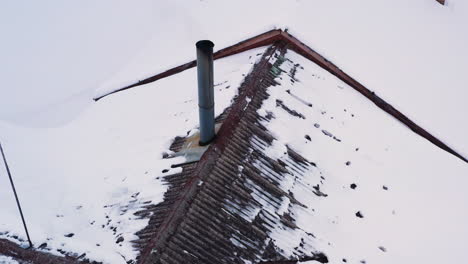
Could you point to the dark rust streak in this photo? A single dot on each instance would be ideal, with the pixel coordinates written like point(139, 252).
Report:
point(173, 219)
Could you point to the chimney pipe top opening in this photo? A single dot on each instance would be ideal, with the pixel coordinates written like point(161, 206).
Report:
point(204, 44)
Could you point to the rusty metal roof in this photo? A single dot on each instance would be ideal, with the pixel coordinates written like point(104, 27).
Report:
point(22, 255)
point(222, 208)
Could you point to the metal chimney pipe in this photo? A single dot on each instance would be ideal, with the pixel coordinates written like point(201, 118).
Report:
point(205, 91)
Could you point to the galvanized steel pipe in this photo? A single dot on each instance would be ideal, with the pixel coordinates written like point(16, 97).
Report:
point(205, 91)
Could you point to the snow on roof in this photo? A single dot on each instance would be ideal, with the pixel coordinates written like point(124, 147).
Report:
point(304, 168)
point(402, 50)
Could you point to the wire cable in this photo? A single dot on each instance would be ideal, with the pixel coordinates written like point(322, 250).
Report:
point(16, 195)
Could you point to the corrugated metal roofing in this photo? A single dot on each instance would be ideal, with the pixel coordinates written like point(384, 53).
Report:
point(223, 208)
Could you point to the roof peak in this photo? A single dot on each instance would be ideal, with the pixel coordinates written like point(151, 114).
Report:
point(280, 35)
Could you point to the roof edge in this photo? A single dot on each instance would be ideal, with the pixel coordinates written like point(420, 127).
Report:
point(263, 39)
point(295, 44)
point(31, 255)
point(312, 55)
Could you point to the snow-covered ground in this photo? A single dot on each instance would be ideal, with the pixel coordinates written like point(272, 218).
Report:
point(392, 196)
point(80, 184)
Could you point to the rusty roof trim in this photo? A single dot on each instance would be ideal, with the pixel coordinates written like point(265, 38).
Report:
point(31, 255)
point(263, 39)
point(295, 44)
